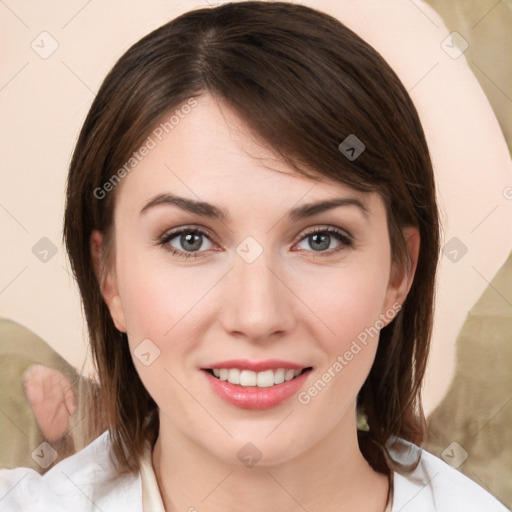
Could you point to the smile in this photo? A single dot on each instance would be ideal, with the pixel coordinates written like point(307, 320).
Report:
point(263, 379)
point(255, 385)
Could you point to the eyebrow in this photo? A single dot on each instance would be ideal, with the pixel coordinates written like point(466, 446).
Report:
point(212, 211)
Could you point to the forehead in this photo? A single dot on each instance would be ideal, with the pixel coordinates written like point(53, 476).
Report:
point(207, 152)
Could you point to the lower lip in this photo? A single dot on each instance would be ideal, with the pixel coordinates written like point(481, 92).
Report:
point(253, 397)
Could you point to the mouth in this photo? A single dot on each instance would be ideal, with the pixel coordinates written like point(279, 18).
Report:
point(261, 385)
point(248, 378)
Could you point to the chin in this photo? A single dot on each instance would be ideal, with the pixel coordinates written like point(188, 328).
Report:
point(256, 447)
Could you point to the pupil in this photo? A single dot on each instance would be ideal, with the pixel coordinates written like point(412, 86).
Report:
point(324, 242)
point(189, 239)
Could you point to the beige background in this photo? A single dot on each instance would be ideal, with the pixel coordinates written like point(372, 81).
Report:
point(43, 102)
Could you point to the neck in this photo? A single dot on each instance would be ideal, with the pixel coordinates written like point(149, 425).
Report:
point(330, 476)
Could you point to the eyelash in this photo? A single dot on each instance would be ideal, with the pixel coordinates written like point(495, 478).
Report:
point(346, 239)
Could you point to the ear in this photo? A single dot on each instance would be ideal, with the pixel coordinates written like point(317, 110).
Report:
point(107, 281)
point(401, 278)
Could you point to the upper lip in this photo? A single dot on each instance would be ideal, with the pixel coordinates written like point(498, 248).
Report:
point(256, 366)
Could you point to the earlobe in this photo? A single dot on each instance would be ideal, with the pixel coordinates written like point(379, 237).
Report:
point(107, 282)
point(401, 278)
point(96, 242)
point(412, 242)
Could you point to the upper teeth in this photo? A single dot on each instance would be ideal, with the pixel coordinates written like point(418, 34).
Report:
point(261, 379)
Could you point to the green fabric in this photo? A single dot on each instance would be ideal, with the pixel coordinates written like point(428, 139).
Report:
point(19, 433)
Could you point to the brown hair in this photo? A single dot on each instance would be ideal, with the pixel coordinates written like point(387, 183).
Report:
point(302, 82)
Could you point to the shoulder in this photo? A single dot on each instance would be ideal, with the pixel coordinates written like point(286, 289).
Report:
point(86, 481)
point(434, 485)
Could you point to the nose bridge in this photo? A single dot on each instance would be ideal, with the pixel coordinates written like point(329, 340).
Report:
point(259, 302)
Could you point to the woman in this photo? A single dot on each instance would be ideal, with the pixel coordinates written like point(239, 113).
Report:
point(251, 219)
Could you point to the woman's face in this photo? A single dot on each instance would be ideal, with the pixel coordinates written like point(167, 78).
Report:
point(253, 296)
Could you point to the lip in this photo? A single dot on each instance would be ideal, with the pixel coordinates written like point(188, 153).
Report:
point(256, 366)
point(253, 397)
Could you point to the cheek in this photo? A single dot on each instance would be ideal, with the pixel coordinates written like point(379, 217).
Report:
point(158, 297)
point(168, 305)
point(350, 306)
point(158, 304)
point(351, 311)
point(352, 300)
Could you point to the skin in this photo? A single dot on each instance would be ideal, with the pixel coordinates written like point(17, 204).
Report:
point(294, 302)
point(50, 395)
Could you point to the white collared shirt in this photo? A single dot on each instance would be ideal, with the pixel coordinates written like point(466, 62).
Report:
point(87, 482)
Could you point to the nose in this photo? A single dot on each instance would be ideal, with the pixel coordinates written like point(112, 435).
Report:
point(257, 302)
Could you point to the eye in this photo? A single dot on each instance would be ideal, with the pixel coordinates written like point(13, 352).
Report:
point(185, 242)
point(320, 239)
